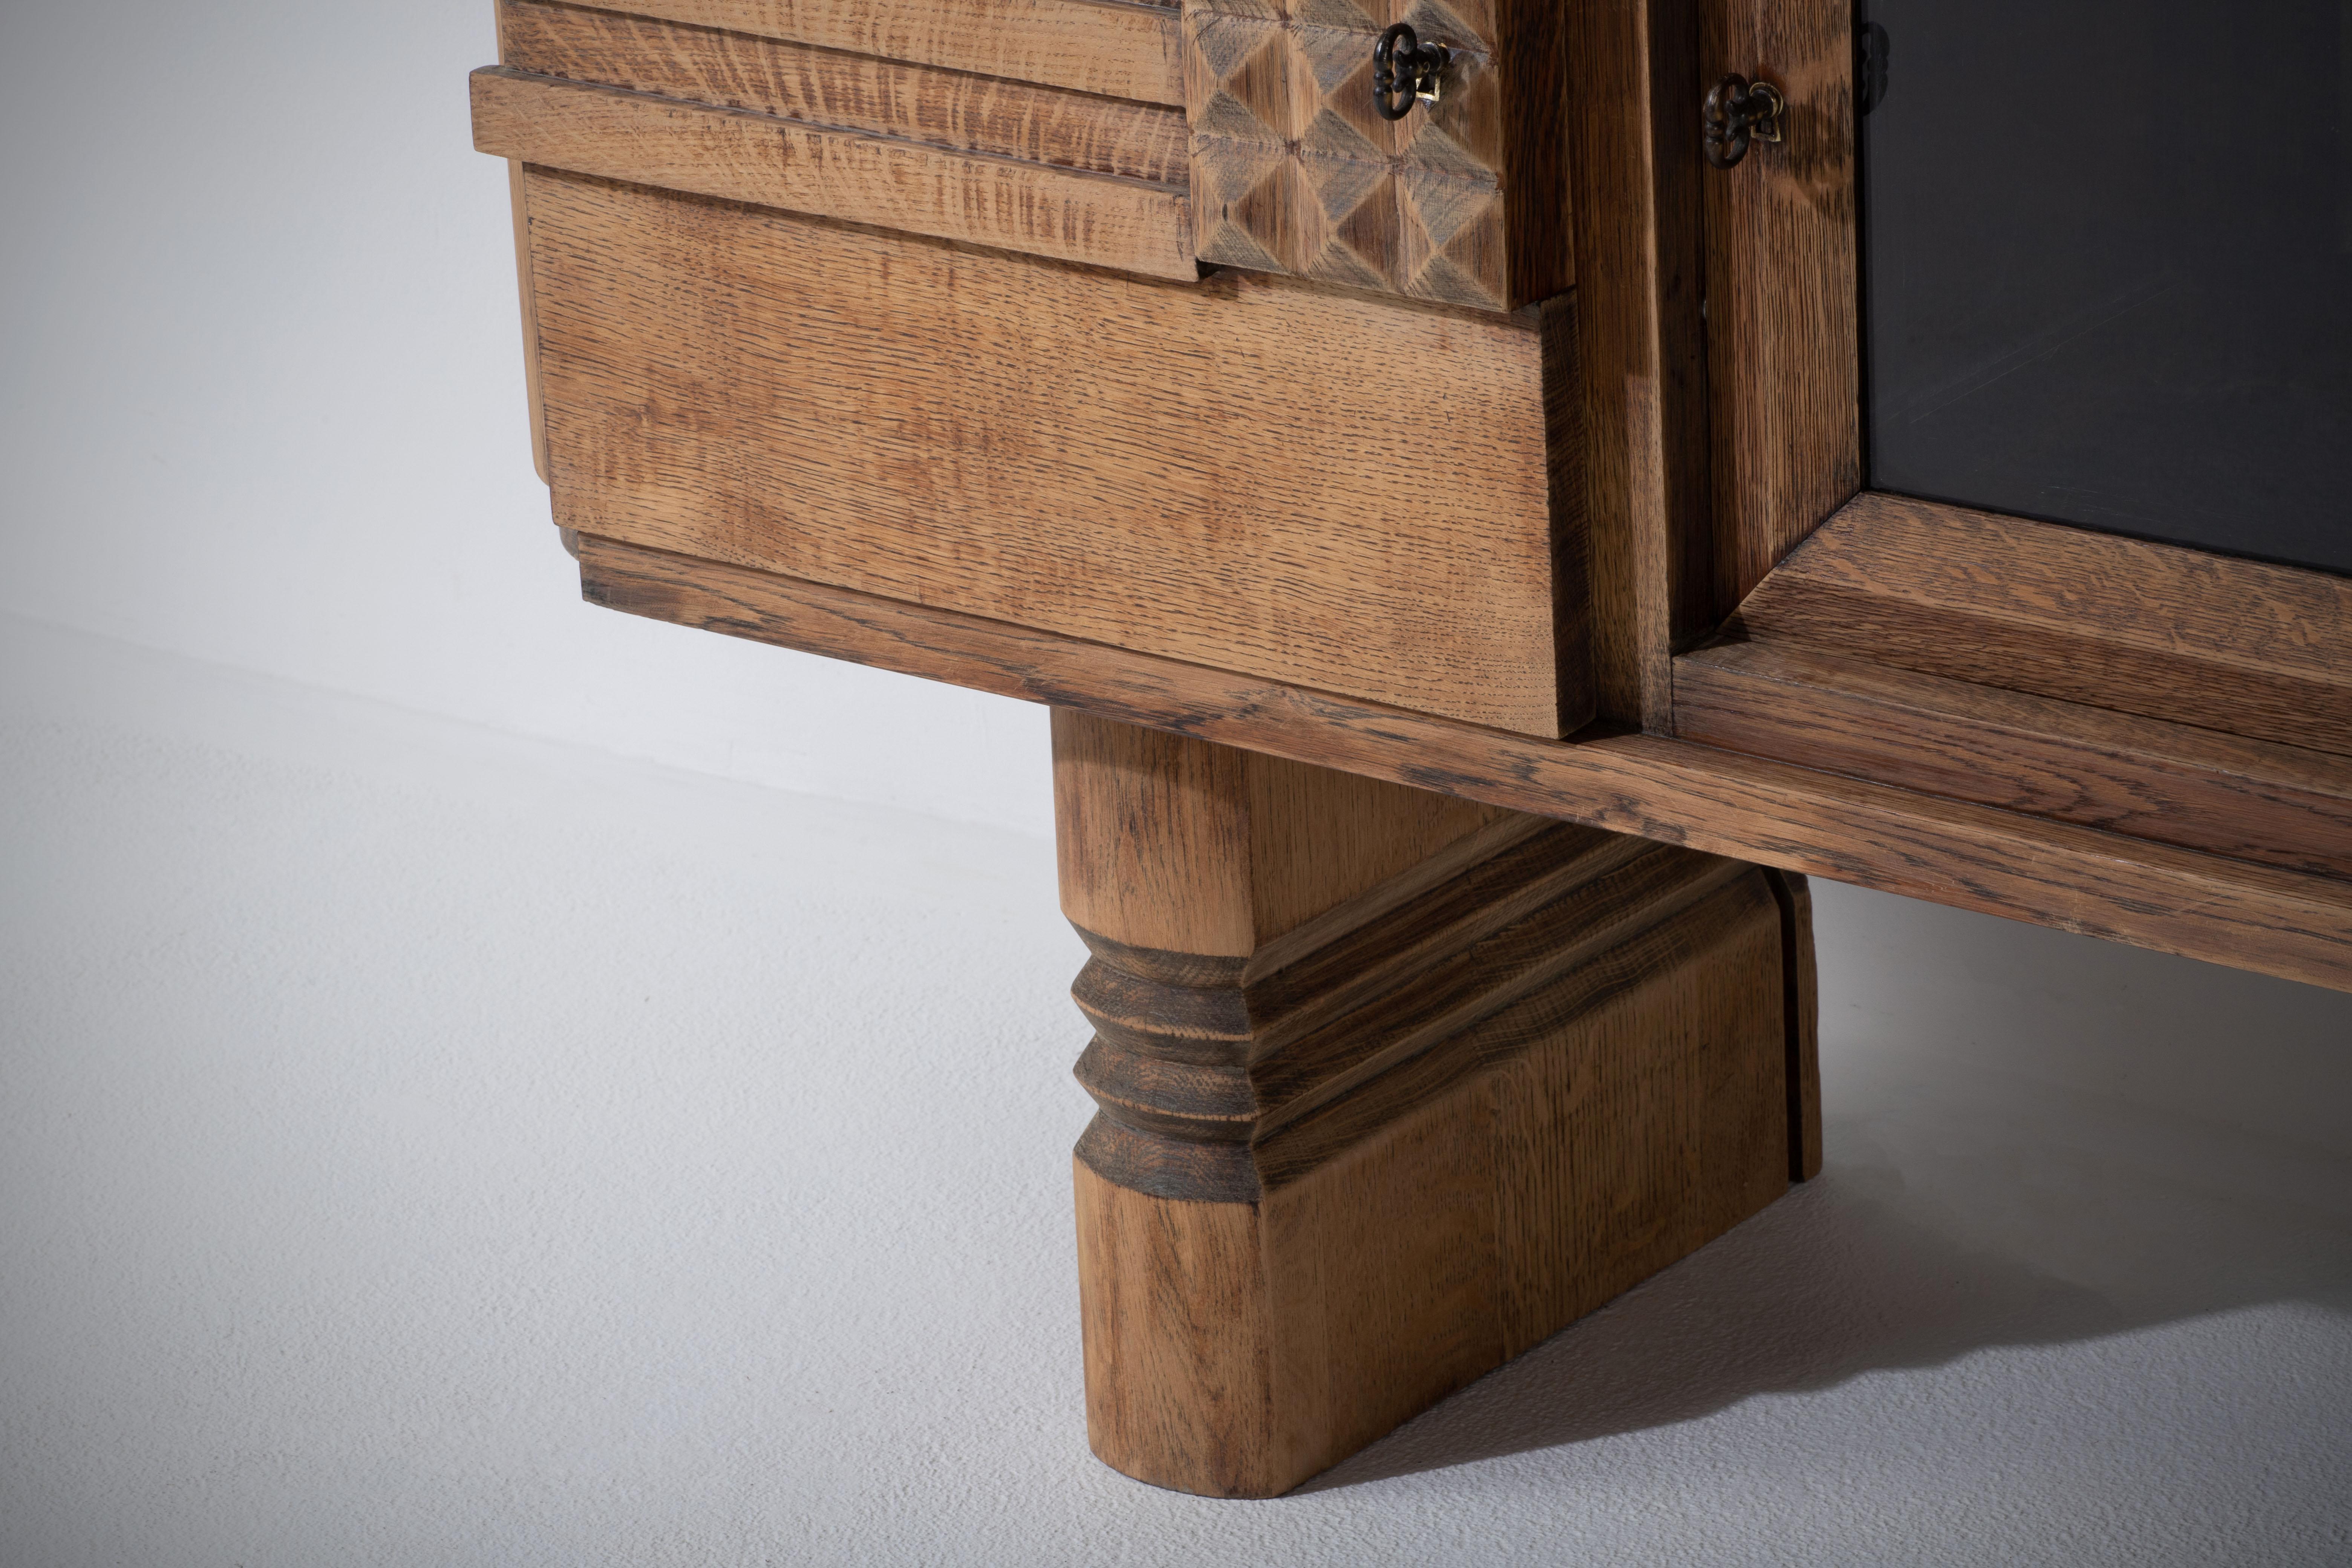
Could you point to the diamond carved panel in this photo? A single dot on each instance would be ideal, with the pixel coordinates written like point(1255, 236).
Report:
point(1294, 171)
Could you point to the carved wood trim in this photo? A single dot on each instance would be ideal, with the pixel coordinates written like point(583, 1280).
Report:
point(1462, 201)
point(1322, 1192)
point(1185, 1049)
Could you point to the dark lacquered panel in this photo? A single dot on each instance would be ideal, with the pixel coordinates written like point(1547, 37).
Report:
point(2107, 261)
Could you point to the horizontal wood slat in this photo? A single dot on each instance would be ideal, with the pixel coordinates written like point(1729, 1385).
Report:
point(744, 156)
point(2261, 918)
point(1107, 457)
point(2254, 800)
point(847, 92)
point(1118, 51)
point(2234, 646)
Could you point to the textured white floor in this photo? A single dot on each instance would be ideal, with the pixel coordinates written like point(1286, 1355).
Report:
point(423, 1147)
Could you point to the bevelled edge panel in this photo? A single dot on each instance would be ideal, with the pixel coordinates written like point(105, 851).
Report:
point(1111, 48)
point(2238, 647)
point(746, 156)
point(2172, 784)
point(1464, 200)
point(1203, 472)
point(949, 110)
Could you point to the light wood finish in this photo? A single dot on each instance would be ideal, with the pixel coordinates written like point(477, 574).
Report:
point(1261, 844)
point(2252, 800)
point(1784, 353)
point(2264, 652)
point(943, 108)
point(1103, 47)
point(1068, 450)
point(519, 204)
point(1634, 168)
point(1463, 201)
point(744, 156)
point(2263, 918)
point(1325, 1190)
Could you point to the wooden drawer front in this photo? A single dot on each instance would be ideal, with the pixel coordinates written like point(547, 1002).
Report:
point(1230, 472)
point(758, 115)
point(1465, 200)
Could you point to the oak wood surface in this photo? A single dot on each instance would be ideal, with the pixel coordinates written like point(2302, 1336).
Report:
point(1416, 1232)
point(2256, 917)
point(2252, 800)
point(944, 109)
point(1167, 842)
point(1634, 166)
point(1174, 1370)
point(1295, 1078)
point(743, 155)
point(1464, 200)
point(1319, 1197)
point(518, 204)
point(1105, 47)
point(1088, 453)
point(1782, 324)
point(2245, 648)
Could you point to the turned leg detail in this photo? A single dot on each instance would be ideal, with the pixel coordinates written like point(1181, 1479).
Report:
point(1391, 1087)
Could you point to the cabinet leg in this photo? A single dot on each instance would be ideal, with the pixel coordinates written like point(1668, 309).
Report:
point(1392, 1087)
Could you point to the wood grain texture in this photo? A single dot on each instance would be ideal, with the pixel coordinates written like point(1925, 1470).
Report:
point(1783, 331)
point(2263, 918)
point(1649, 1121)
point(1166, 842)
point(1319, 1195)
point(1414, 1232)
point(1633, 169)
point(2251, 800)
point(1425, 1005)
point(1151, 837)
point(2262, 652)
point(1116, 50)
point(744, 156)
point(1092, 454)
point(518, 203)
point(1463, 201)
point(943, 109)
point(1172, 1307)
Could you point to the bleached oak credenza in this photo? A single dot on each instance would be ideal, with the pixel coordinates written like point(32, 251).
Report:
point(1424, 474)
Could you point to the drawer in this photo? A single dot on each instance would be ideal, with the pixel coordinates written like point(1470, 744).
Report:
point(909, 299)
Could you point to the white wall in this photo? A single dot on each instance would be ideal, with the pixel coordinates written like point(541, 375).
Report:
point(261, 403)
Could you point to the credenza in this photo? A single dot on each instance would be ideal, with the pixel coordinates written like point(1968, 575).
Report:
point(1427, 456)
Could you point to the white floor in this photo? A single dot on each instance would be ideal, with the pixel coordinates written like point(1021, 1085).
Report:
point(419, 1146)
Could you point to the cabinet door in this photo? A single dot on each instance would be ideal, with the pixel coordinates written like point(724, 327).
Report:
point(2107, 253)
point(956, 302)
point(2038, 315)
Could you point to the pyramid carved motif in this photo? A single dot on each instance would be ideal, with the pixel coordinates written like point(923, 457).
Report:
point(1294, 170)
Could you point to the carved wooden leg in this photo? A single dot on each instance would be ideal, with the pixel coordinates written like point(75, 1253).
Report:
point(1393, 1087)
